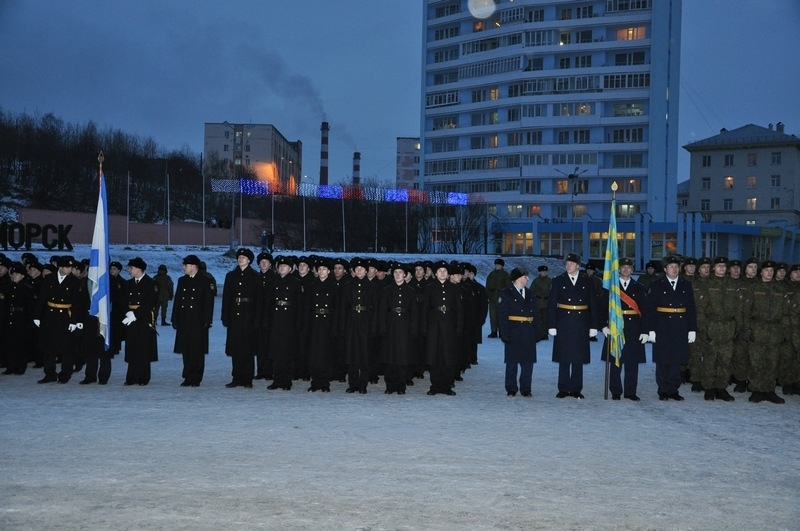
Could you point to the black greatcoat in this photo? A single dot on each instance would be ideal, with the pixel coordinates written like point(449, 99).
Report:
point(284, 327)
point(142, 299)
point(571, 344)
point(319, 322)
point(17, 323)
point(239, 311)
point(442, 319)
point(54, 337)
point(672, 329)
point(398, 324)
point(358, 323)
point(633, 351)
point(192, 314)
point(518, 336)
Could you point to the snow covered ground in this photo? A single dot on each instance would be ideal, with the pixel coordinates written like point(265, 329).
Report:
point(170, 457)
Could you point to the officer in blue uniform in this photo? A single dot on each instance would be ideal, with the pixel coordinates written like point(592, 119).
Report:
point(518, 325)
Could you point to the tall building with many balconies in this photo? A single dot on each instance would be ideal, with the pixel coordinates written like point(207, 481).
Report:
point(540, 105)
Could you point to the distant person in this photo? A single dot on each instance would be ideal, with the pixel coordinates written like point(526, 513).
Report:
point(166, 291)
point(271, 242)
point(496, 281)
point(541, 289)
point(264, 246)
point(518, 325)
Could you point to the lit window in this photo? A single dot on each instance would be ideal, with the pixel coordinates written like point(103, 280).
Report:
point(729, 181)
point(534, 210)
point(751, 181)
point(751, 203)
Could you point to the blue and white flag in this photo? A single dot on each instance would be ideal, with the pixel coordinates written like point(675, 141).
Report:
point(98, 267)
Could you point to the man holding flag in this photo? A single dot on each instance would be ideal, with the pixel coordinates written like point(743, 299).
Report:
point(628, 313)
point(98, 331)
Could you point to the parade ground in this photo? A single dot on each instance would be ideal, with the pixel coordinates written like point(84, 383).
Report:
point(167, 457)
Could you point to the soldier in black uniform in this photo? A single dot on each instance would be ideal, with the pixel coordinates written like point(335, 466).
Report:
point(239, 312)
point(442, 324)
point(266, 276)
point(358, 325)
point(18, 300)
point(141, 300)
point(116, 287)
point(55, 318)
point(398, 326)
point(418, 282)
point(319, 324)
point(285, 323)
point(306, 278)
point(192, 313)
point(481, 311)
point(339, 278)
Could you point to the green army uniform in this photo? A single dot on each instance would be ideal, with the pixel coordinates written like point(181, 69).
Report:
point(496, 281)
point(717, 301)
point(740, 364)
point(789, 364)
point(765, 319)
point(541, 289)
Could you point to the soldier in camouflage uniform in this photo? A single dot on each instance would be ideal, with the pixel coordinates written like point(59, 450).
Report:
point(496, 281)
point(717, 301)
point(765, 318)
point(649, 276)
point(541, 289)
point(740, 364)
point(789, 365)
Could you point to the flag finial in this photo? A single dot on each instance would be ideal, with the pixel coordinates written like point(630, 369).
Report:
point(614, 188)
point(101, 158)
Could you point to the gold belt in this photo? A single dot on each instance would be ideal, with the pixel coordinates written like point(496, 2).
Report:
point(520, 319)
point(630, 312)
point(134, 306)
point(664, 309)
point(59, 306)
point(573, 307)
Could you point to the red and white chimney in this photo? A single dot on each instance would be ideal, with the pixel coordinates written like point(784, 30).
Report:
point(356, 167)
point(323, 155)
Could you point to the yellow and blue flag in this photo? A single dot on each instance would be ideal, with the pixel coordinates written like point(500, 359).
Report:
point(616, 337)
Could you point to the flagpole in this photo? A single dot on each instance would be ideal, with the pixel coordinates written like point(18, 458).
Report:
point(609, 338)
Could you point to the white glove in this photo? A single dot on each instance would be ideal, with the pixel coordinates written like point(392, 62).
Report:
point(606, 331)
point(80, 326)
point(129, 318)
point(593, 332)
point(692, 336)
point(552, 331)
point(652, 337)
point(72, 327)
point(37, 322)
point(644, 338)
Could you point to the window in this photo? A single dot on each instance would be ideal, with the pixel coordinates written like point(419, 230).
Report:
point(513, 139)
point(494, 94)
point(631, 186)
point(584, 12)
point(775, 203)
point(534, 210)
point(443, 145)
point(750, 203)
point(514, 211)
point(583, 61)
point(534, 64)
point(514, 91)
point(566, 14)
point(494, 118)
point(563, 63)
point(535, 110)
point(226, 147)
point(477, 118)
point(630, 58)
point(751, 181)
point(573, 109)
point(532, 187)
point(533, 138)
point(562, 187)
point(563, 137)
point(513, 114)
point(706, 161)
point(627, 160)
point(776, 158)
point(705, 204)
point(493, 142)
point(580, 137)
point(536, 15)
point(631, 34)
point(728, 160)
point(446, 33)
point(477, 142)
point(445, 122)
point(727, 204)
point(629, 109)
point(705, 183)
point(565, 38)
point(584, 36)
point(775, 181)
point(562, 211)
point(627, 211)
point(752, 159)
point(478, 96)
point(247, 147)
point(729, 182)
point(634, 134)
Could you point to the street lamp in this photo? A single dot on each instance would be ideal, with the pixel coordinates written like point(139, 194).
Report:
point(572, 179)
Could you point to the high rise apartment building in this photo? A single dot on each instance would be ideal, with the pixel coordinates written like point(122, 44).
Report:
point(539, 106)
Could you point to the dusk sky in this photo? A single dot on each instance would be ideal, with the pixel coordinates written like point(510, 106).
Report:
point(163, 69)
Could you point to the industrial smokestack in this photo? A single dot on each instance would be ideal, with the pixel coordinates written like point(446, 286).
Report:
point(356, 167)
point(323, 155)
